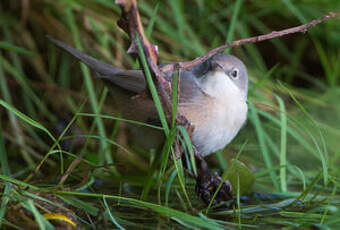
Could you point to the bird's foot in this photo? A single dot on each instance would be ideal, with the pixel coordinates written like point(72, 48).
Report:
point(207, 183)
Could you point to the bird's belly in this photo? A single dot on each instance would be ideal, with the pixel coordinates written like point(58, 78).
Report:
point(216, 128)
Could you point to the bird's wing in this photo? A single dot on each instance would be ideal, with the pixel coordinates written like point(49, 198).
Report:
point(190, 90)
point(131, 80)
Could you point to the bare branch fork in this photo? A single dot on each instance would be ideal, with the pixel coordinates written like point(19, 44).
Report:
point(130, 22)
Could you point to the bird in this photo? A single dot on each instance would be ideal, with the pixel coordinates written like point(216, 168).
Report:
point(212, 96)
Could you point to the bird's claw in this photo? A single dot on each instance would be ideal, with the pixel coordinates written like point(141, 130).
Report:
point(208, 183)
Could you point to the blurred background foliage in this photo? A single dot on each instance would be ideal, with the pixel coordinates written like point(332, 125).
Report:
point(290, 143)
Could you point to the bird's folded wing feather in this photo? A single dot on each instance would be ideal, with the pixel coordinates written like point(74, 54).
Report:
point(133, 80)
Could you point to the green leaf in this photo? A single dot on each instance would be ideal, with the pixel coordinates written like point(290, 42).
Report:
point(239, 170)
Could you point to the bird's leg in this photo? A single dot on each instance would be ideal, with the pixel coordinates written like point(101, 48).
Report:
point(207, 183)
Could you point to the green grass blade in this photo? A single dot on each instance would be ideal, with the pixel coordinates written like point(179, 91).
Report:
point(231, 31)
point(16, 49)
point(41, 221)
point(168, 186)
point(283, 154)
point(263, 79)
point(27, 88)
point(253, 115)
point(323, 155)
point(108, 211)
point(119, 119)
point(18, 182)
point(6, 171)
point(3, 155)
point(105, 151)
point(152, 87)
point(4, 202)
point(189, 146)
point(174, 97)
point(221, 160)
point(295, 11)
point(166, 149)
point(302, 177)
point(152, 20)
point(179, 168)
point(86, 206)
point(26, 118)
point(169, 212)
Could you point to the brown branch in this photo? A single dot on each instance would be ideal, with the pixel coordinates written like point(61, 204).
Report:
point(303, 28)
point(130, 22)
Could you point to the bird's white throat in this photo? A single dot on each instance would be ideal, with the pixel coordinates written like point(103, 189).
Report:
point(224, 117)
point(219, 85)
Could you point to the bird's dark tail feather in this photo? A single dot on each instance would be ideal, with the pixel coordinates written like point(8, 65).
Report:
point(94, 64)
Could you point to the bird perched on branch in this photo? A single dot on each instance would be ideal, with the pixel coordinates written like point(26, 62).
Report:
point(212, 96)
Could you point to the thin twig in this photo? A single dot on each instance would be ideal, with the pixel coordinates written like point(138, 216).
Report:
point(131, 23)
point(302, 28)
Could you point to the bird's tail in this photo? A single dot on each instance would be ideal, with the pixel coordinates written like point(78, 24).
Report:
point(94, 64)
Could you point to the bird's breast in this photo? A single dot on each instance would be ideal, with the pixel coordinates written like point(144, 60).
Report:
point(216, 121)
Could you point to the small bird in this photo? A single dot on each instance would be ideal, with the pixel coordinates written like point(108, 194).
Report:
point(212, 96)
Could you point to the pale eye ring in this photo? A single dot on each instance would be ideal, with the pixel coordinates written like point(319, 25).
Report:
point(234, 73)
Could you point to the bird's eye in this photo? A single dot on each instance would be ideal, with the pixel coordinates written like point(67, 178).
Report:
point(234, 73)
